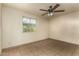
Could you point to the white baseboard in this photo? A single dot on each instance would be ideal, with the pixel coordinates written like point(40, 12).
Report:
point(24, 43)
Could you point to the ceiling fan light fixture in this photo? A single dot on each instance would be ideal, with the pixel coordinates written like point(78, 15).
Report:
point(50, 14)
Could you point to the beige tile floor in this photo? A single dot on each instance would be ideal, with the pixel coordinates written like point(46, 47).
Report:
point(48, 47)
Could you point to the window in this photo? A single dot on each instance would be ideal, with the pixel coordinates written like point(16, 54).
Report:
point(29, 24)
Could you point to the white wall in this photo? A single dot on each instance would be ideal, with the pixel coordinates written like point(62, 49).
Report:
point(65, 28)
point(12, 28)
point(0, 28)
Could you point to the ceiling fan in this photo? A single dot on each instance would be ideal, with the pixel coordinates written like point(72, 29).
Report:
point(51, 10)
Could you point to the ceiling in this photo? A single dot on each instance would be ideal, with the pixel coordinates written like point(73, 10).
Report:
point(34, 8)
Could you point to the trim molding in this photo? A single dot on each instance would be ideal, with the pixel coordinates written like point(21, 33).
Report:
point(24, 44)
point(64, 41)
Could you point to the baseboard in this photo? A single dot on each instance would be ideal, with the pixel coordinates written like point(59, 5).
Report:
point(38, 41)
point(24, 44)
point(64, 41)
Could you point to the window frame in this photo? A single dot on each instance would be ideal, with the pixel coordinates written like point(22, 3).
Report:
point(30, 18)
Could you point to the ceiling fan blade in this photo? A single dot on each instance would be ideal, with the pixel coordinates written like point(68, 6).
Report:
point(57, 5)
point(43, 10)
point(59, 11)
point(44, 14)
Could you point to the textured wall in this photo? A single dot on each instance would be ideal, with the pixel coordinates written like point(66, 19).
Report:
point(0, 28)
point(65, 28)
point(12, 28)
